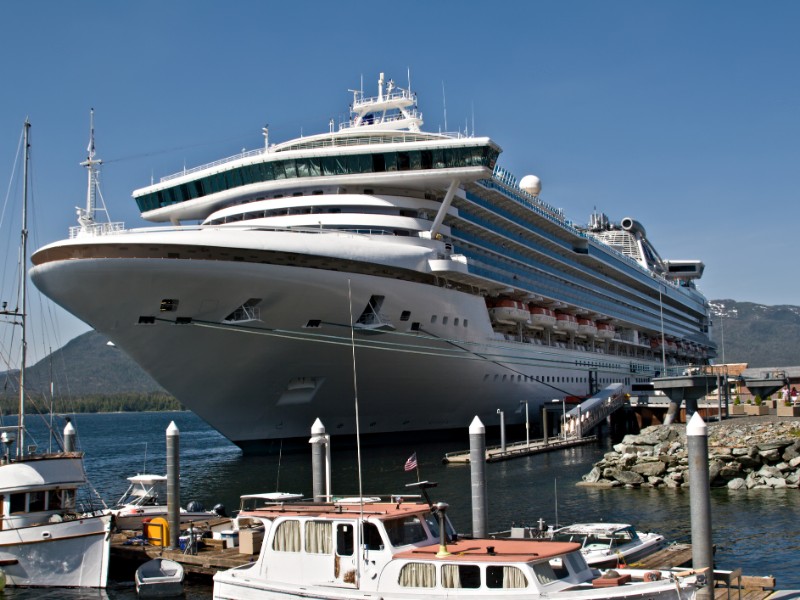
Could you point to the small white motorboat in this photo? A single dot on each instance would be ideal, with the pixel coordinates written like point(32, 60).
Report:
point(159, 578)
point(146, 498)
point(610, 545)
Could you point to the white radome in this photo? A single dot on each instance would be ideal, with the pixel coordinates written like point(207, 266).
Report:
point(531, 184)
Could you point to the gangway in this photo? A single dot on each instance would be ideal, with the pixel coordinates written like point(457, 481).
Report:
point(593, 410)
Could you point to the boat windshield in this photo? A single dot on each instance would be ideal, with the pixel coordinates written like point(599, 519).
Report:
point(587, 541)
point(433, 524)
point(406, 530)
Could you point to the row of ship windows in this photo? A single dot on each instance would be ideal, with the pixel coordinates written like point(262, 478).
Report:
point(416, 160)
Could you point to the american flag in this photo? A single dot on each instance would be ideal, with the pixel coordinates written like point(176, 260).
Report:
point(411, 463)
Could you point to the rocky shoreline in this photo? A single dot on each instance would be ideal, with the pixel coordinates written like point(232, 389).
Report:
point(743, 453)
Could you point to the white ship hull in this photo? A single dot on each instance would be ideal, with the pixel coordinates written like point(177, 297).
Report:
point(72, 553)
point(269, 379)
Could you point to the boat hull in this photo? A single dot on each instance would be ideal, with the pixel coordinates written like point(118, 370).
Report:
point(435, 369)
point(72, 553)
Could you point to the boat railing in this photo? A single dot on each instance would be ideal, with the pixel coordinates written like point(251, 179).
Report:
point(221, 161)
point(362, 101)
point(96, 229)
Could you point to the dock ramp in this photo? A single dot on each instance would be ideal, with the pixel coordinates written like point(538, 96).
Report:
point(590, 412)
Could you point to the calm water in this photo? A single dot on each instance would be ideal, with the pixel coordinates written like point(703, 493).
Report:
point(758, 530)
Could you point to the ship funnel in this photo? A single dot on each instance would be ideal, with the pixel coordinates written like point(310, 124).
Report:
point(633, 226)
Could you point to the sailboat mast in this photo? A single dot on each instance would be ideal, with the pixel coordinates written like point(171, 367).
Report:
point(23, 293)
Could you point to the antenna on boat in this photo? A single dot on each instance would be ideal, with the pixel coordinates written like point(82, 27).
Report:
point(473, 119)
point(555, 495)
point(278, 476)
point(444, 106)
point(265, 131)
point(358, 436)
point(86, 215)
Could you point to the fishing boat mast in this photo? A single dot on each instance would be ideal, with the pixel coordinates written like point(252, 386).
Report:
point(23, 292)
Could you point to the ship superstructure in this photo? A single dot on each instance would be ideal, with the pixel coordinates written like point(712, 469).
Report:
point(459, 286)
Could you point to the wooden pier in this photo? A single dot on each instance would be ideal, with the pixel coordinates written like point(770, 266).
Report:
point(518, 449)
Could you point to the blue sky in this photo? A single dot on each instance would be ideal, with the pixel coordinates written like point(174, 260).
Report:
point(681, 114)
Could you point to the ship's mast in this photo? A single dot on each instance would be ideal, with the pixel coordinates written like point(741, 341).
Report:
point(23, 294)
point(86, 215)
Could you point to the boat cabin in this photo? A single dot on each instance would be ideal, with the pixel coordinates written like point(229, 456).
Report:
point(39, 489)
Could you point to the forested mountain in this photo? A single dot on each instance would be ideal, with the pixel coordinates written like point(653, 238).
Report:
point(762, 336)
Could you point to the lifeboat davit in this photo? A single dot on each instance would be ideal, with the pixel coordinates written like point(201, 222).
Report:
point(543, 317)
point(566, 322)
point(509, 312)
point(605, 331)
point(587, 327)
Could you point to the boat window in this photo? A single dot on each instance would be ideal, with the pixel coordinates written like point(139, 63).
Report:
point(544, 572)
point(575, 562)
point(407, 530)
point(319, 537)
point(287, 537)
point(36, 501)
point(433, 525)
point(461, 576)
point(371, 537)
point(54, 500)
point(444, 320)
point(419, 575)
point(17, 503)
point(507, 577)
point(405, 315)
point(344, 539)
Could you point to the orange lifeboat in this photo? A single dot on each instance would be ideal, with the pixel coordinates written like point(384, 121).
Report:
point(605, 331)
point(566, 322)
point(543, 317)
point(509, 312)
point(587, 327)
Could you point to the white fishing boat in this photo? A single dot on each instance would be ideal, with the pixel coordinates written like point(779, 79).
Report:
point(146, 498)
point(46, 540)
point(395, 549)
point(159, 578)
point(236, 298)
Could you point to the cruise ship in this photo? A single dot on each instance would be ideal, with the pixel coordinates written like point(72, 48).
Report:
point(379, 262)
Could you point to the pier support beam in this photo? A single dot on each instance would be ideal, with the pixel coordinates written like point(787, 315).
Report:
point(173, 485)
point(700, 502)
point(477, 467)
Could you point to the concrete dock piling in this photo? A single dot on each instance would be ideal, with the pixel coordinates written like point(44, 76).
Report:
point(477, 466)
point(700, 501)
point(69, 438)
point(320, 462)
point(173, 484)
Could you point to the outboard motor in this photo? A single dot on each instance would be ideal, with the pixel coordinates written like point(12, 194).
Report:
point(219, 509)
point(195, 506)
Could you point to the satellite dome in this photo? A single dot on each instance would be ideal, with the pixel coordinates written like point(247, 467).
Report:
point(531, 184)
